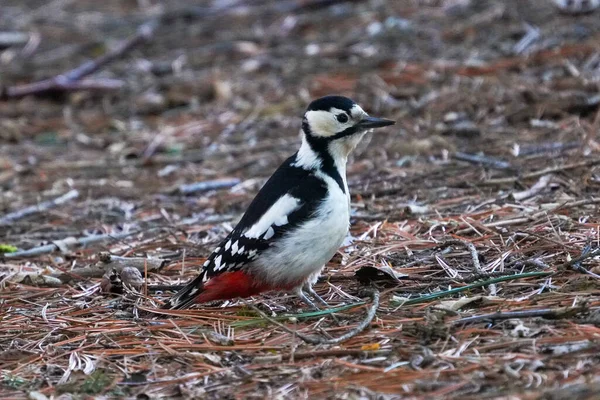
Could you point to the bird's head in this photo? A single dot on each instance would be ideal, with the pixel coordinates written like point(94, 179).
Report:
point(335, 124)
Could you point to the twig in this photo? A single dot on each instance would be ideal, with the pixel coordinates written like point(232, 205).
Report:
point(536, 215)
point(546, 313)
point(532, 34)
point(472, 250)
point(482, 160)
point(66, 244)
point(574, 263)
point(373, 293)
point(535, 174)
point(205, 186)
point(540, 185)
point(433, 296)
point(523, 151)
point(41, 207)
point(107, 262)
point(46, 86)
point(71, 80)
point(9, 39)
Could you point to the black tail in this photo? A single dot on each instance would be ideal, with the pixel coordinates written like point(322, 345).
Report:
point(186, 296)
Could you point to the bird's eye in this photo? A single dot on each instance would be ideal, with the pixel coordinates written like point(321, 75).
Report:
point(342, 118)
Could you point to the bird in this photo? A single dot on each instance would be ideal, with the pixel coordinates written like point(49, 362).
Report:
point(297, 221)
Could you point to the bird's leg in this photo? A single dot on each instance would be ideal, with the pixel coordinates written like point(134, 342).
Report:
point(305, 299)
point(308, 288)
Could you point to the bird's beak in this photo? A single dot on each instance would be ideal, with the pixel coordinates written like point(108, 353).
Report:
point(372, 122)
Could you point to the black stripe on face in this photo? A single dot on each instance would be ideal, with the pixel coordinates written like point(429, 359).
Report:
point(320, 146)
point(346, 132)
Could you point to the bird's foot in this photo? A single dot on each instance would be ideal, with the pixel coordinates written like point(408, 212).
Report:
point(306, 300)
point(308, 288)
point(315, 295)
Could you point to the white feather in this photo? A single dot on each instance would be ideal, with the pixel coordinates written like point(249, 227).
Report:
point(303, 252)
point(306, 157)
point(270, 233)
point(286, 205)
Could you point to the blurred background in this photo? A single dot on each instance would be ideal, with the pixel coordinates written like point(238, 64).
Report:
point(145, 128)
point(215, 89)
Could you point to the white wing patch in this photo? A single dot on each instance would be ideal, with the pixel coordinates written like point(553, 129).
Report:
point(270, 233)
point(282, 221)
point(218, 262)
point(283, 207)
point(234, 247)
point(227, 245)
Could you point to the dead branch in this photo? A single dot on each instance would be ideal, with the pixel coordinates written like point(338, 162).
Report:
point(41, 207)
point(71, 80)
point(482, 160)
point(62, 85)
point(540, 185)
point(372, 293)
point(9, 39)
point(555, 313)
point(198, 187)
point(107, 263)
point(66, 244)
point(546, 171)
point(538, 214)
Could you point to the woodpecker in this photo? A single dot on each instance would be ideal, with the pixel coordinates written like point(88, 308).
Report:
point(297, 221)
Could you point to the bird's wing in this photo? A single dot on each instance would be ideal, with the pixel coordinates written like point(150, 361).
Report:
point(289, 197)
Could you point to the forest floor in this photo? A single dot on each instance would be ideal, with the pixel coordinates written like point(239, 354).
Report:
point(475, 217)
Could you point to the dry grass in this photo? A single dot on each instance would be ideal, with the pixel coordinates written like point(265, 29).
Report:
point(483, 200)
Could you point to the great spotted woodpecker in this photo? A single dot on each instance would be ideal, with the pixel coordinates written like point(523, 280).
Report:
point(297, 221)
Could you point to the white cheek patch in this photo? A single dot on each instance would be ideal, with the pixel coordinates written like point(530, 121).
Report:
point(322, 123)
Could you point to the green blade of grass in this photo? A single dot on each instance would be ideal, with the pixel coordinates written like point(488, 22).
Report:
point(436, 295)
point(309, 314)
point(421, 299)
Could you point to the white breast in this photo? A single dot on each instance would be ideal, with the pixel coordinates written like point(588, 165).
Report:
point(302, 253)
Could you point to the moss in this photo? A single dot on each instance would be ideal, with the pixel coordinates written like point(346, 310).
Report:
point(7, 248)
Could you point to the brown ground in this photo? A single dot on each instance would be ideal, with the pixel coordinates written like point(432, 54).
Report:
point(214, 95)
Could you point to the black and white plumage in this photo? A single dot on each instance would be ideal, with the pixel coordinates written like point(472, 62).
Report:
point(299, 218)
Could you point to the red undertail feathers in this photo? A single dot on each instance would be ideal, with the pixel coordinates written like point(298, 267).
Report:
point(225, 286)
